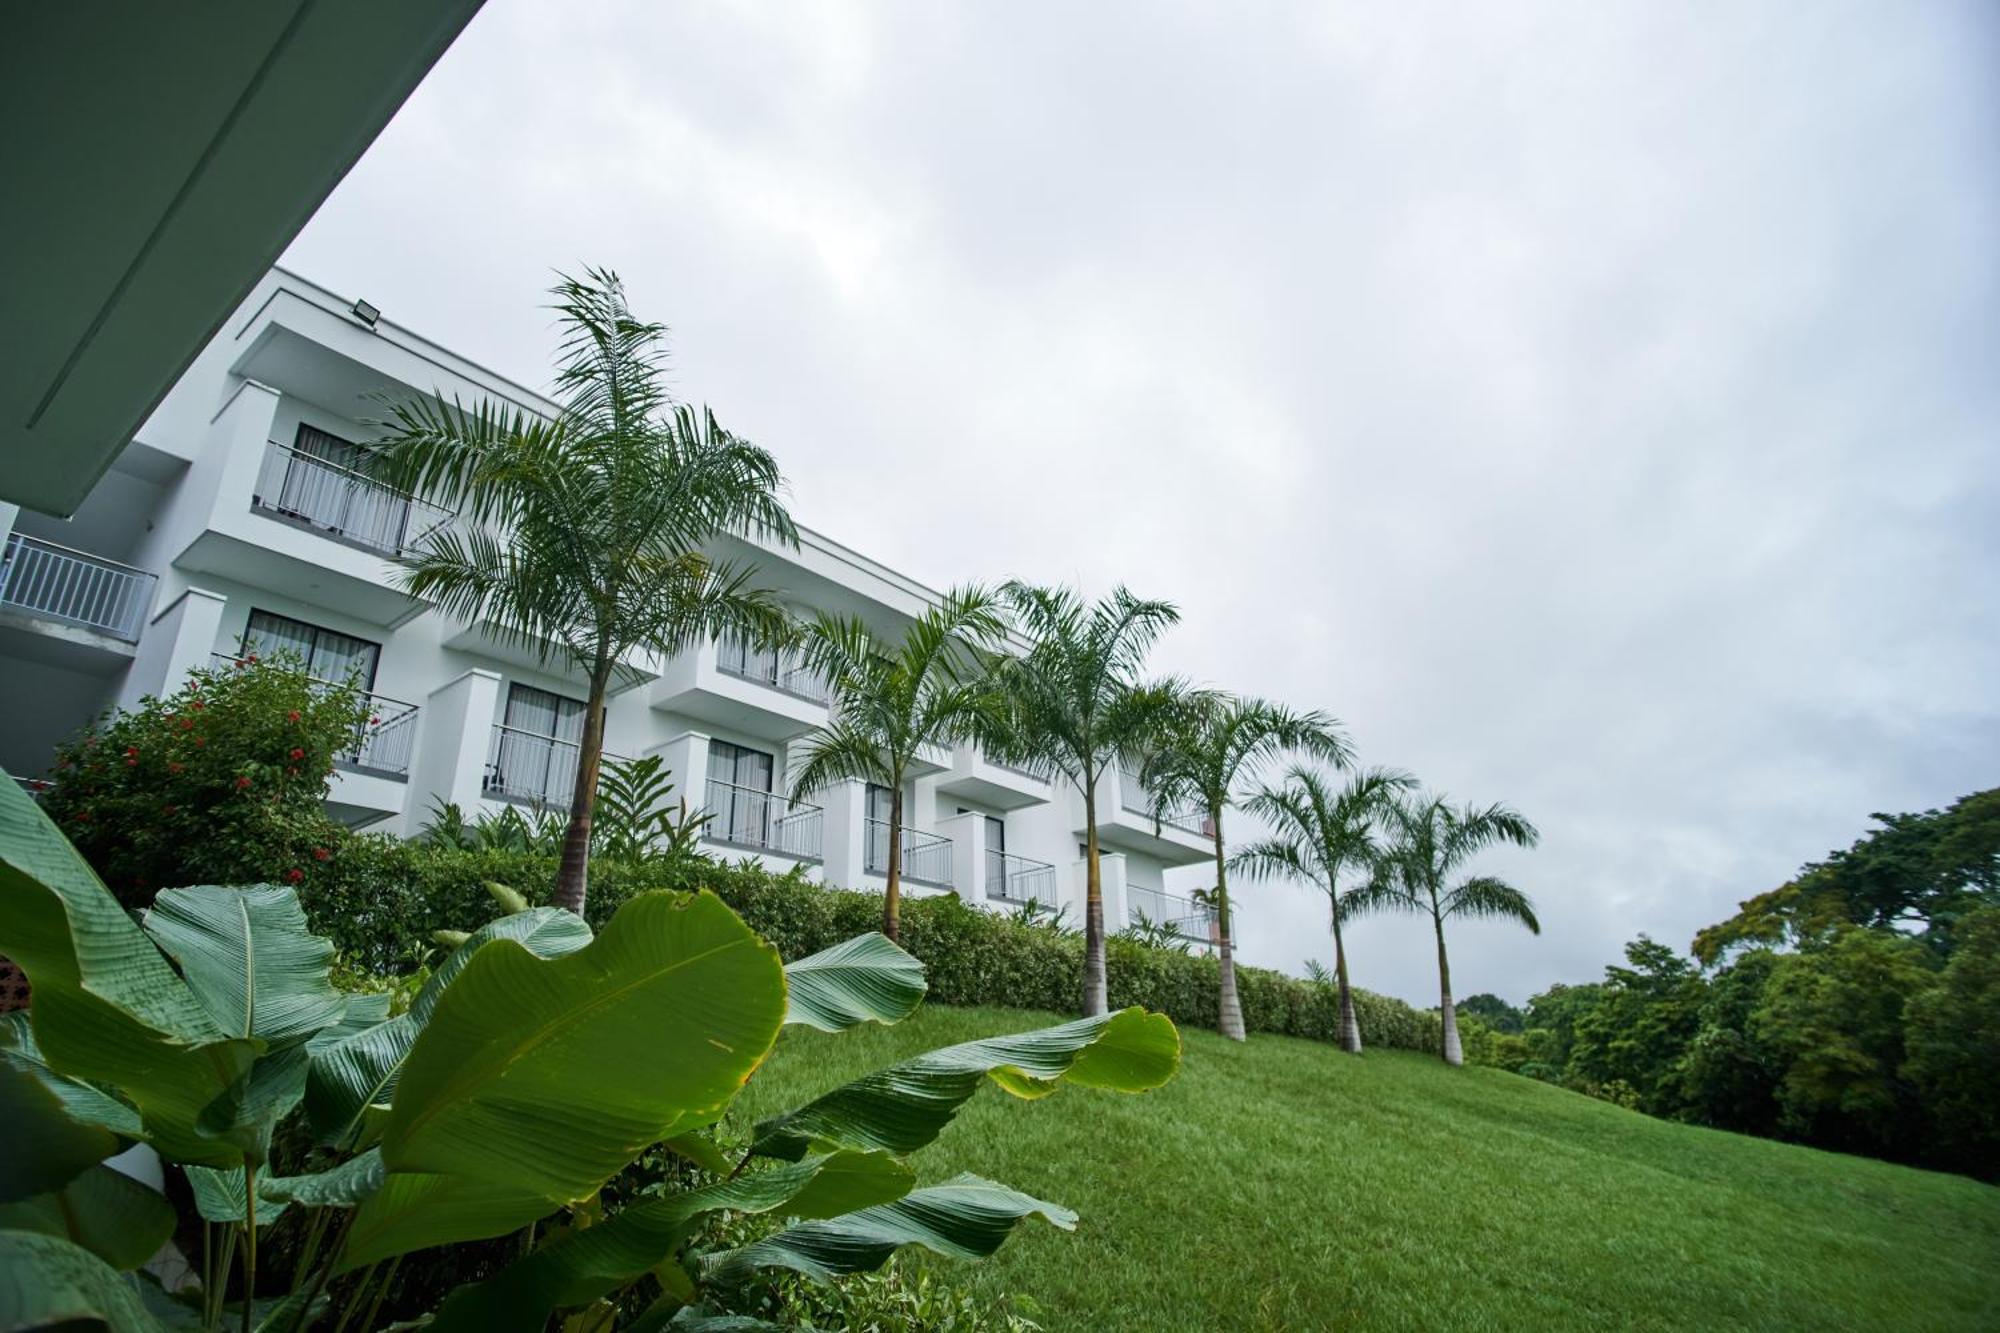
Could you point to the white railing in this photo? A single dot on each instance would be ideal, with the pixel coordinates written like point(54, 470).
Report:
point(1188, 817)
point(926, 856)
point(343, 503)
point(1017, 879)
point(384, 741)
point(746, 817)
point(56, 583)
point(1188, 919)
point(779, 670)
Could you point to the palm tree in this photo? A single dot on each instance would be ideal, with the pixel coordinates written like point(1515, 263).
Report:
point(889, 705)
point(1073, 705)
point(1431, 840)
point(1210, 743)
point(1319, 833)
point(583, 536)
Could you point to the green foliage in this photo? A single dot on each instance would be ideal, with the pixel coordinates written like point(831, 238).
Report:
point(223, 781)
point(1494, 1012)
point(1953, 1038)
point(530, 1071)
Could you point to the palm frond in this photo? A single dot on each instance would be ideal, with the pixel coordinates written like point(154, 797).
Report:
point(1485, 896)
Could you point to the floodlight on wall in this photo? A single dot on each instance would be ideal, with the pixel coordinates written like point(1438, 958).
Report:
point(366, 313)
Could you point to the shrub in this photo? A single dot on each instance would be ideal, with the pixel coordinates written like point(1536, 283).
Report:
point(220, 782)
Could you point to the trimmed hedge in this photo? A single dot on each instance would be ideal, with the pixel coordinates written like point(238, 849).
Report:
point(380, 901)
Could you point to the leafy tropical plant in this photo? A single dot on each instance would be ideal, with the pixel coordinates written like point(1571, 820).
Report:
point(1429, 840)
point(584, 537)
point(1212, 742)
point(1142, 929)
point(505, 1097)
point(638, 818)
point(891, 703)
point(1318, 834)
point(1073, 706)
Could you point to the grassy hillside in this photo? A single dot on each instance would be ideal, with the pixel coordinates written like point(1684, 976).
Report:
point(1280, 1185)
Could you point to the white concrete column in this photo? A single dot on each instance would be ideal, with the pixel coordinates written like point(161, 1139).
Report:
point(841, 838)
point(1111, 870)
point(8, 513)
point(686, 758)
point(454, 740)
point(181, 637)
point(968, 854)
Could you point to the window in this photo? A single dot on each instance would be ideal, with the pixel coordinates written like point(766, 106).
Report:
point(537, 748)
point(327, 654)
point(878, 804)
point(996, 834)
point(739, 794)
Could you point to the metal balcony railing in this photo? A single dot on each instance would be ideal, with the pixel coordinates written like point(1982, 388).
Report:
point(779, 670)
point(533, 769)
point(746, 817)
point(1017, 879)
point(1188, 919)
point(344, 504)
point(55, 583)
point(1187, 817)
point(384, 741)
point(926, 856)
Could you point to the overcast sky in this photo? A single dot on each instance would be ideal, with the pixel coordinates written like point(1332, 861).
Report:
point(1595, 406)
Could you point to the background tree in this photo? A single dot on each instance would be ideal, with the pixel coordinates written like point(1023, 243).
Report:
point(1209, 744)
point(1074, 706)
point(930, 689)
point(1431, 840)
point(583, 537)
point(1318, 834)
point(1494, 1012)
point(1953, 1039)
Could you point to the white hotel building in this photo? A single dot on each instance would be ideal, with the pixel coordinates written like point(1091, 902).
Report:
point(230, 519)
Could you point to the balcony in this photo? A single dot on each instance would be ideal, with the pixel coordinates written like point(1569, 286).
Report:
point(1020, 880)
point(926, 856)
point(384, 743)
point(1188, 818)
point(69, 608)
point(1125, 823)
point(976, 777)
point(763, 821)
point(528, 768)
point(344, 505)
point(1185, 917)
point(730, 685)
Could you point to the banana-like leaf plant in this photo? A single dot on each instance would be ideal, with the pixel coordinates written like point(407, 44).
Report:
point(537, 1062)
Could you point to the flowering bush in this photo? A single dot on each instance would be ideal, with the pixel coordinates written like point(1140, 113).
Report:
point(221, 782)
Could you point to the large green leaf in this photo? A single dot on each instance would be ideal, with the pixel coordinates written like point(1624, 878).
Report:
point(550, 1075)
point(905, 1106)
point(104, 1210)
point(966, 1218)
point(576, 1267)
point(863, 980)
point(108, 1007)
point(250, 959)
point(414, 1211)
point(85, 1104)
point(355, 1067)
point(248, 1111)
point(47, 1282)
point(220, 1196)
point(46, 1148)
point(342, 1186)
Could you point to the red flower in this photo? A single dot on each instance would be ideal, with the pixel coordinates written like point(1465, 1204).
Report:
point(175, 766)
point(321, 853)
point(298, 753)
point(131, 750)
point(197, 704)
point(251, 658)
point(131, 763)
point(241, 783)
point(200, 740)
point(294, 875)
point(187, 724)
point(374, 721)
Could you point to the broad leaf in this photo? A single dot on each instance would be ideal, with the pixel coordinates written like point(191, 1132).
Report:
point(342, 1186)
point(353, 1074)
point(864, 980)
point(966, 1218)
point(248, 1111)
point(906, 1106)
point(49, 1282)
point(219, 1197)
point(108, 1007)
point(579, 1266)
point(250, 959)
point(46, 1147)
point(416, 1211)
point(105, 1211)
point(550, 1075)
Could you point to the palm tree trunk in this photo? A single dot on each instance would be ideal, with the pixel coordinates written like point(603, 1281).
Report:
point(1350, 1025)
point(1229, 1018)
point(1453, 1053)
point(573, 871)
point(1096, 994)
point(892, 895)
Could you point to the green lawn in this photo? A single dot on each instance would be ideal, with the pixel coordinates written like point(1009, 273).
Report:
point(1279, 1185)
